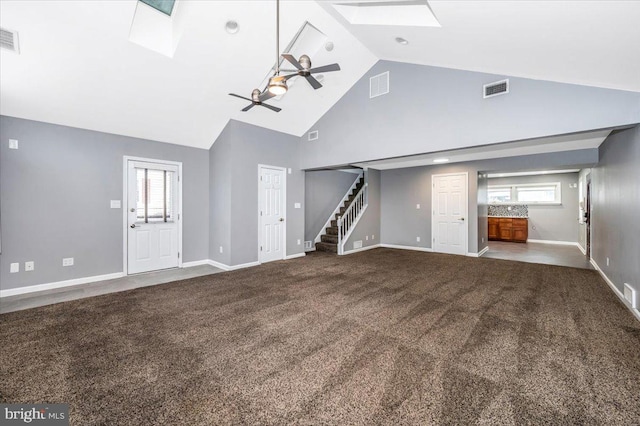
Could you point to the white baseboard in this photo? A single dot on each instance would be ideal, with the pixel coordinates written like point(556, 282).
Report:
point(59, 284)
point(561, 243)
point(311, 249)
point(225, 267)
point(582, 249)
point(481, 252)
point(294, 256)
point(618, 293)
point(361, 249)
point(399, 247)
point(195, 263)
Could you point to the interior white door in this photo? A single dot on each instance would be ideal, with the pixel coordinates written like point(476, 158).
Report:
point(449, 201)
point(153, 214)
point(272, 213)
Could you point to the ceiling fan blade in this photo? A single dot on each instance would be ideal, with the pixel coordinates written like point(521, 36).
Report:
point(293, 61)
point(248, 107)
point(313, 82)
point(241, 97)
point(287, 77)
point(265, 95)
point(326, 68)
point(272, 108)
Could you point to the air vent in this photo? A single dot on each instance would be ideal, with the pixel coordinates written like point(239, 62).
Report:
point(9, 40)
point(630, 296)
point(494, 89)
point(379, 85)
point(313, 135)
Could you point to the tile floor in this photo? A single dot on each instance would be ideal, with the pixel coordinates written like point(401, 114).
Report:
point(549, 254)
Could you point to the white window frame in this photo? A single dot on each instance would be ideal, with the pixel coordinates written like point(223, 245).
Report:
point(514, 194)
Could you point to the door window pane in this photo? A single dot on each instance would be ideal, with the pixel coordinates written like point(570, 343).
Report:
point(154, 195)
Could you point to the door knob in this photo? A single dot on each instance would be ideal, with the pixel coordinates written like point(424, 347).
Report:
point(133, 225)
point(281, 219)
point(462, 218)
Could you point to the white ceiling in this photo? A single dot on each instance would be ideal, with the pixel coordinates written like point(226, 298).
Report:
point(562, 143)
point(77, 66)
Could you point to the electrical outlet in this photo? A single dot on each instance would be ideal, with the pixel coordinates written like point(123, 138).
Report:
point(483, 239)
point(607, 261)
point(298, 242)
point(366, 237)
point(15, 267)
point(418, 206)
point(67, 261)
point(418, 239)
point(220, 249)
point(29, 266)
point(373, 237)
point(13, 144)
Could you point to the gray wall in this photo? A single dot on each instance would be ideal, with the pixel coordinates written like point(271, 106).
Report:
point(323, 191)
point(402, 189)
point(583, 177)
point(483, 212)
point(551, 222)
point(616, 203)
point(432, 109)
point(55, 193)
point(235, 157)
point(369, 223)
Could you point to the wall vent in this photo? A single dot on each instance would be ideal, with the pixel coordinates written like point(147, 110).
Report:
point(630, 295)
point(313, 135)
point(308, 245)
point(379, 85)
point(357, 244)
point(494, 89)
point(9, 40)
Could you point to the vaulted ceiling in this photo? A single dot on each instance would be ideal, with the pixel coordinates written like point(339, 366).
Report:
point(78, 67)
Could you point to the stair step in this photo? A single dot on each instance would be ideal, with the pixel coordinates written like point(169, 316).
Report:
point(333, 230)
point(328, 247)
point(334, 223)
point(333, 239)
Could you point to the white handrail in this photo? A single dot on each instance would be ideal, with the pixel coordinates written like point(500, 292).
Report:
point(346, 222)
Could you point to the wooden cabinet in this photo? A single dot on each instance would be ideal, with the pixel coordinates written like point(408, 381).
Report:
point(508, 229)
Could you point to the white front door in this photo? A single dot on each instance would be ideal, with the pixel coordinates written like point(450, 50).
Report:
point(449, 201)
point(152, 216)
point(271, 201)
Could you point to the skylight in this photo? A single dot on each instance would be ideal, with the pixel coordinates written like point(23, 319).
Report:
point(164, 6)
point(412, 13)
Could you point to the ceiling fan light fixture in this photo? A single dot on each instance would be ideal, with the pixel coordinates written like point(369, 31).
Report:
point(277, 85)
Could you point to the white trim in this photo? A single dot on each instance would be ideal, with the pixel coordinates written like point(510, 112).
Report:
point(308, 250)
point(559, 243)
point(582, 249)
point(218, 265)
point(337, 209)
point(618, 293)
point(125, 200)
point(361, 249)
point(294, 256)
point(399, 247)
point(483, 251)
point(284, 211)
point(59, 284)
point(466, 213)
point(195, 263)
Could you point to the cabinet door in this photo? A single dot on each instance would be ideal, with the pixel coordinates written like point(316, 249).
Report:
point(493, 229)
point(506, 233)
point(520, 235)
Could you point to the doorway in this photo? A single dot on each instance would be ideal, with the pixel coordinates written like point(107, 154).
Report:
point(152, 215)
point(272, 229)
point(450, 228)
point(587, 218)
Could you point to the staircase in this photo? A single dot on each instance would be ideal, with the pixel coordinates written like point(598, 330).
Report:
point(329, 240)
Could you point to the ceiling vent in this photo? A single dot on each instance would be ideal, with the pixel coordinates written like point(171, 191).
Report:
point(494, 89)
point(9, 40)
point(313, 135)
point(379, 85)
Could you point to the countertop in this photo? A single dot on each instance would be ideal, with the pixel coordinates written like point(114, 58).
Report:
point(512, 217)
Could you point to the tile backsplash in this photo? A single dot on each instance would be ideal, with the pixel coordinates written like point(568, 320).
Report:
point(515, 210)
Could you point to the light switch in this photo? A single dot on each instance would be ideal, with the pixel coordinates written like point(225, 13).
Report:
point(296, 205)
point(418, 206)
point(13, 144)
point(15, 267)
point(116, 204)
point(289, 170)
point(29, 266)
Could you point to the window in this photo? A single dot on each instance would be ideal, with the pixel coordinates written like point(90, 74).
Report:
point(153, 195)
point(164, 6)
point(530, 193)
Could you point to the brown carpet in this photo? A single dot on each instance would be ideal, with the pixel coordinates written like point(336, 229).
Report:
point(379, 337)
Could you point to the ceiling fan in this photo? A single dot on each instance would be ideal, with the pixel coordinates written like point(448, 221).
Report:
point(258, 98)
point(278, 83)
